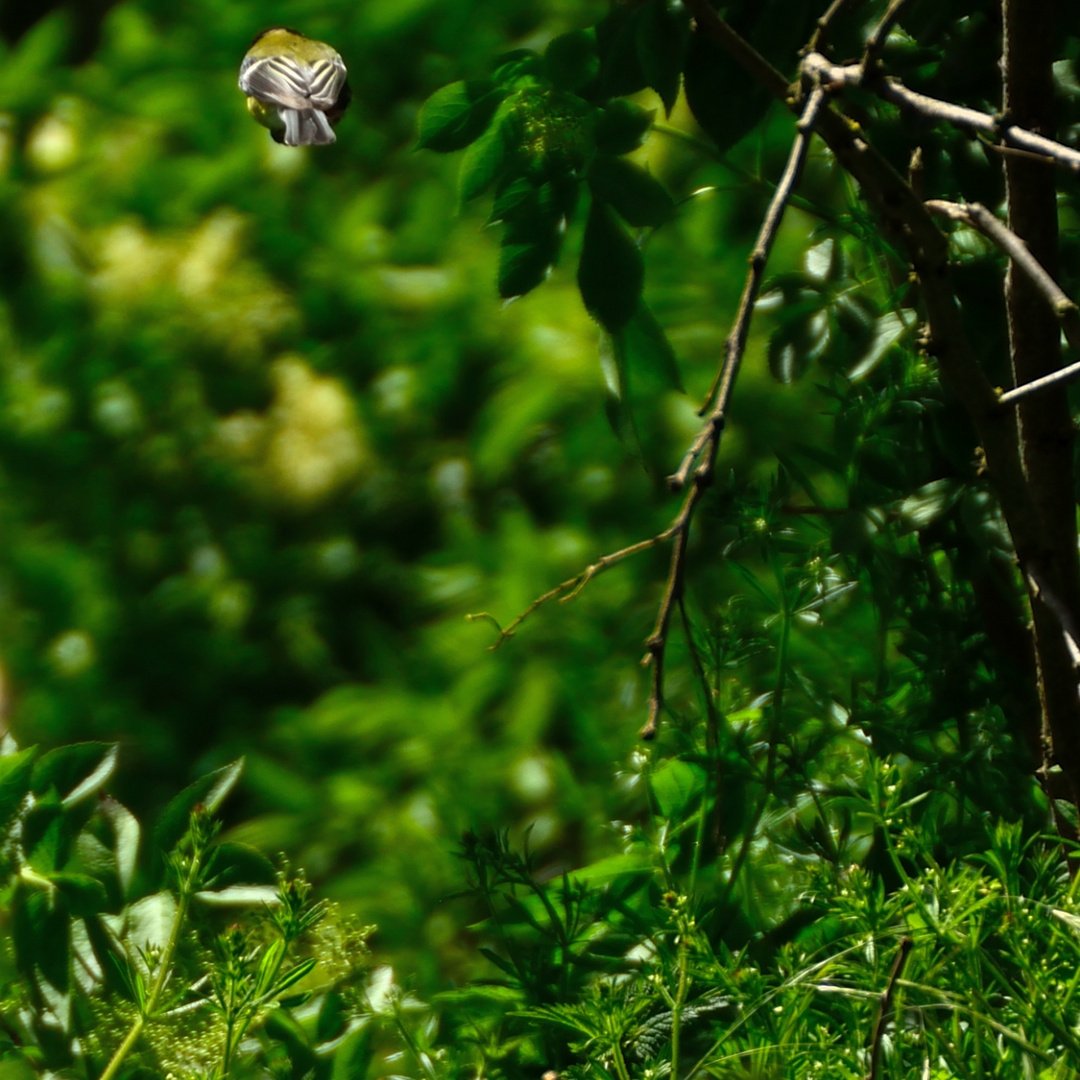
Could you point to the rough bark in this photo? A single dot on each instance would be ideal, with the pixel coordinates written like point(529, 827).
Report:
point(1046, 430)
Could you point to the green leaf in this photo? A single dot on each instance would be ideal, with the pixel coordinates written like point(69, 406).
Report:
point(75, 771)
point(639, 198)
point(238, 895)
point(570, 60)
point(47, 835)
point(661, 38)
point(498, 961)
point(232, 863)
point(926, 505)
point(109, 953)
point(534, 225)
point(456, 115)
point(616, 866)
point(647, 351)
point(616, 40)
point(84, 895)
point(354, 1057)
point(512, 199)
point(269, 963)
point(529, 250)
point(795, 343)
point(675, 785)
point(516, 66)
point(482, 163)
point(294, 975)
point(725, 101)
point(126, 833)
point(42, 937)
point(611, 272)
point(209, 790)
point(621, 126)
point(16, 772)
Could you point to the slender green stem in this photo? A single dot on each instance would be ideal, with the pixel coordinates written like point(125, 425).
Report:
point(161, 977)
point(620, 1063)
point(680, 999)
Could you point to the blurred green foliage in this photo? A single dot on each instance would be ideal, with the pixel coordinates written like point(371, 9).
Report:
point(268, 433)
point(266, 437)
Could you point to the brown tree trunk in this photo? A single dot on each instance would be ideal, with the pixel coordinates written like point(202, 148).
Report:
point(1046, 429)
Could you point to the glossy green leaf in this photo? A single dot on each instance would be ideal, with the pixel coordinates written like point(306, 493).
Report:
point(639, 198)
point(528, 253)
point(75, 771)
point(269, 963)
point(238, 896)
point(512, 199)
point(611, 272)
point(456, 115)
point(47, 835)
point(926, 505)
point(616, 866)
point(126, 835)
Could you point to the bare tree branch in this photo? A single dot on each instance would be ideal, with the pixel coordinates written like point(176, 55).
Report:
point(876, 41)
point(1063, 308)
point(1046, 432)
point(826, 20)
point(707, 442)
point(835, 76)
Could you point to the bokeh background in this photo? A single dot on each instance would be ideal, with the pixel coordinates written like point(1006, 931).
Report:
point(267, 436)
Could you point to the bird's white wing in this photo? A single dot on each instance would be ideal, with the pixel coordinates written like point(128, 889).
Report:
point(280, 81)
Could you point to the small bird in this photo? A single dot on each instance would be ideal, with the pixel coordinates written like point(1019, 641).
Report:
point(295, 87)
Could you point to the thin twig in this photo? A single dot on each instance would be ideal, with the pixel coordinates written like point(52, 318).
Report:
point(707, 442)
point(1063, 307)
point(1067, 374)
point(876, 41)
point(994, 128)
point(823, 23)
point(735, 344)
point(886, 1004)
point(572, 586)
